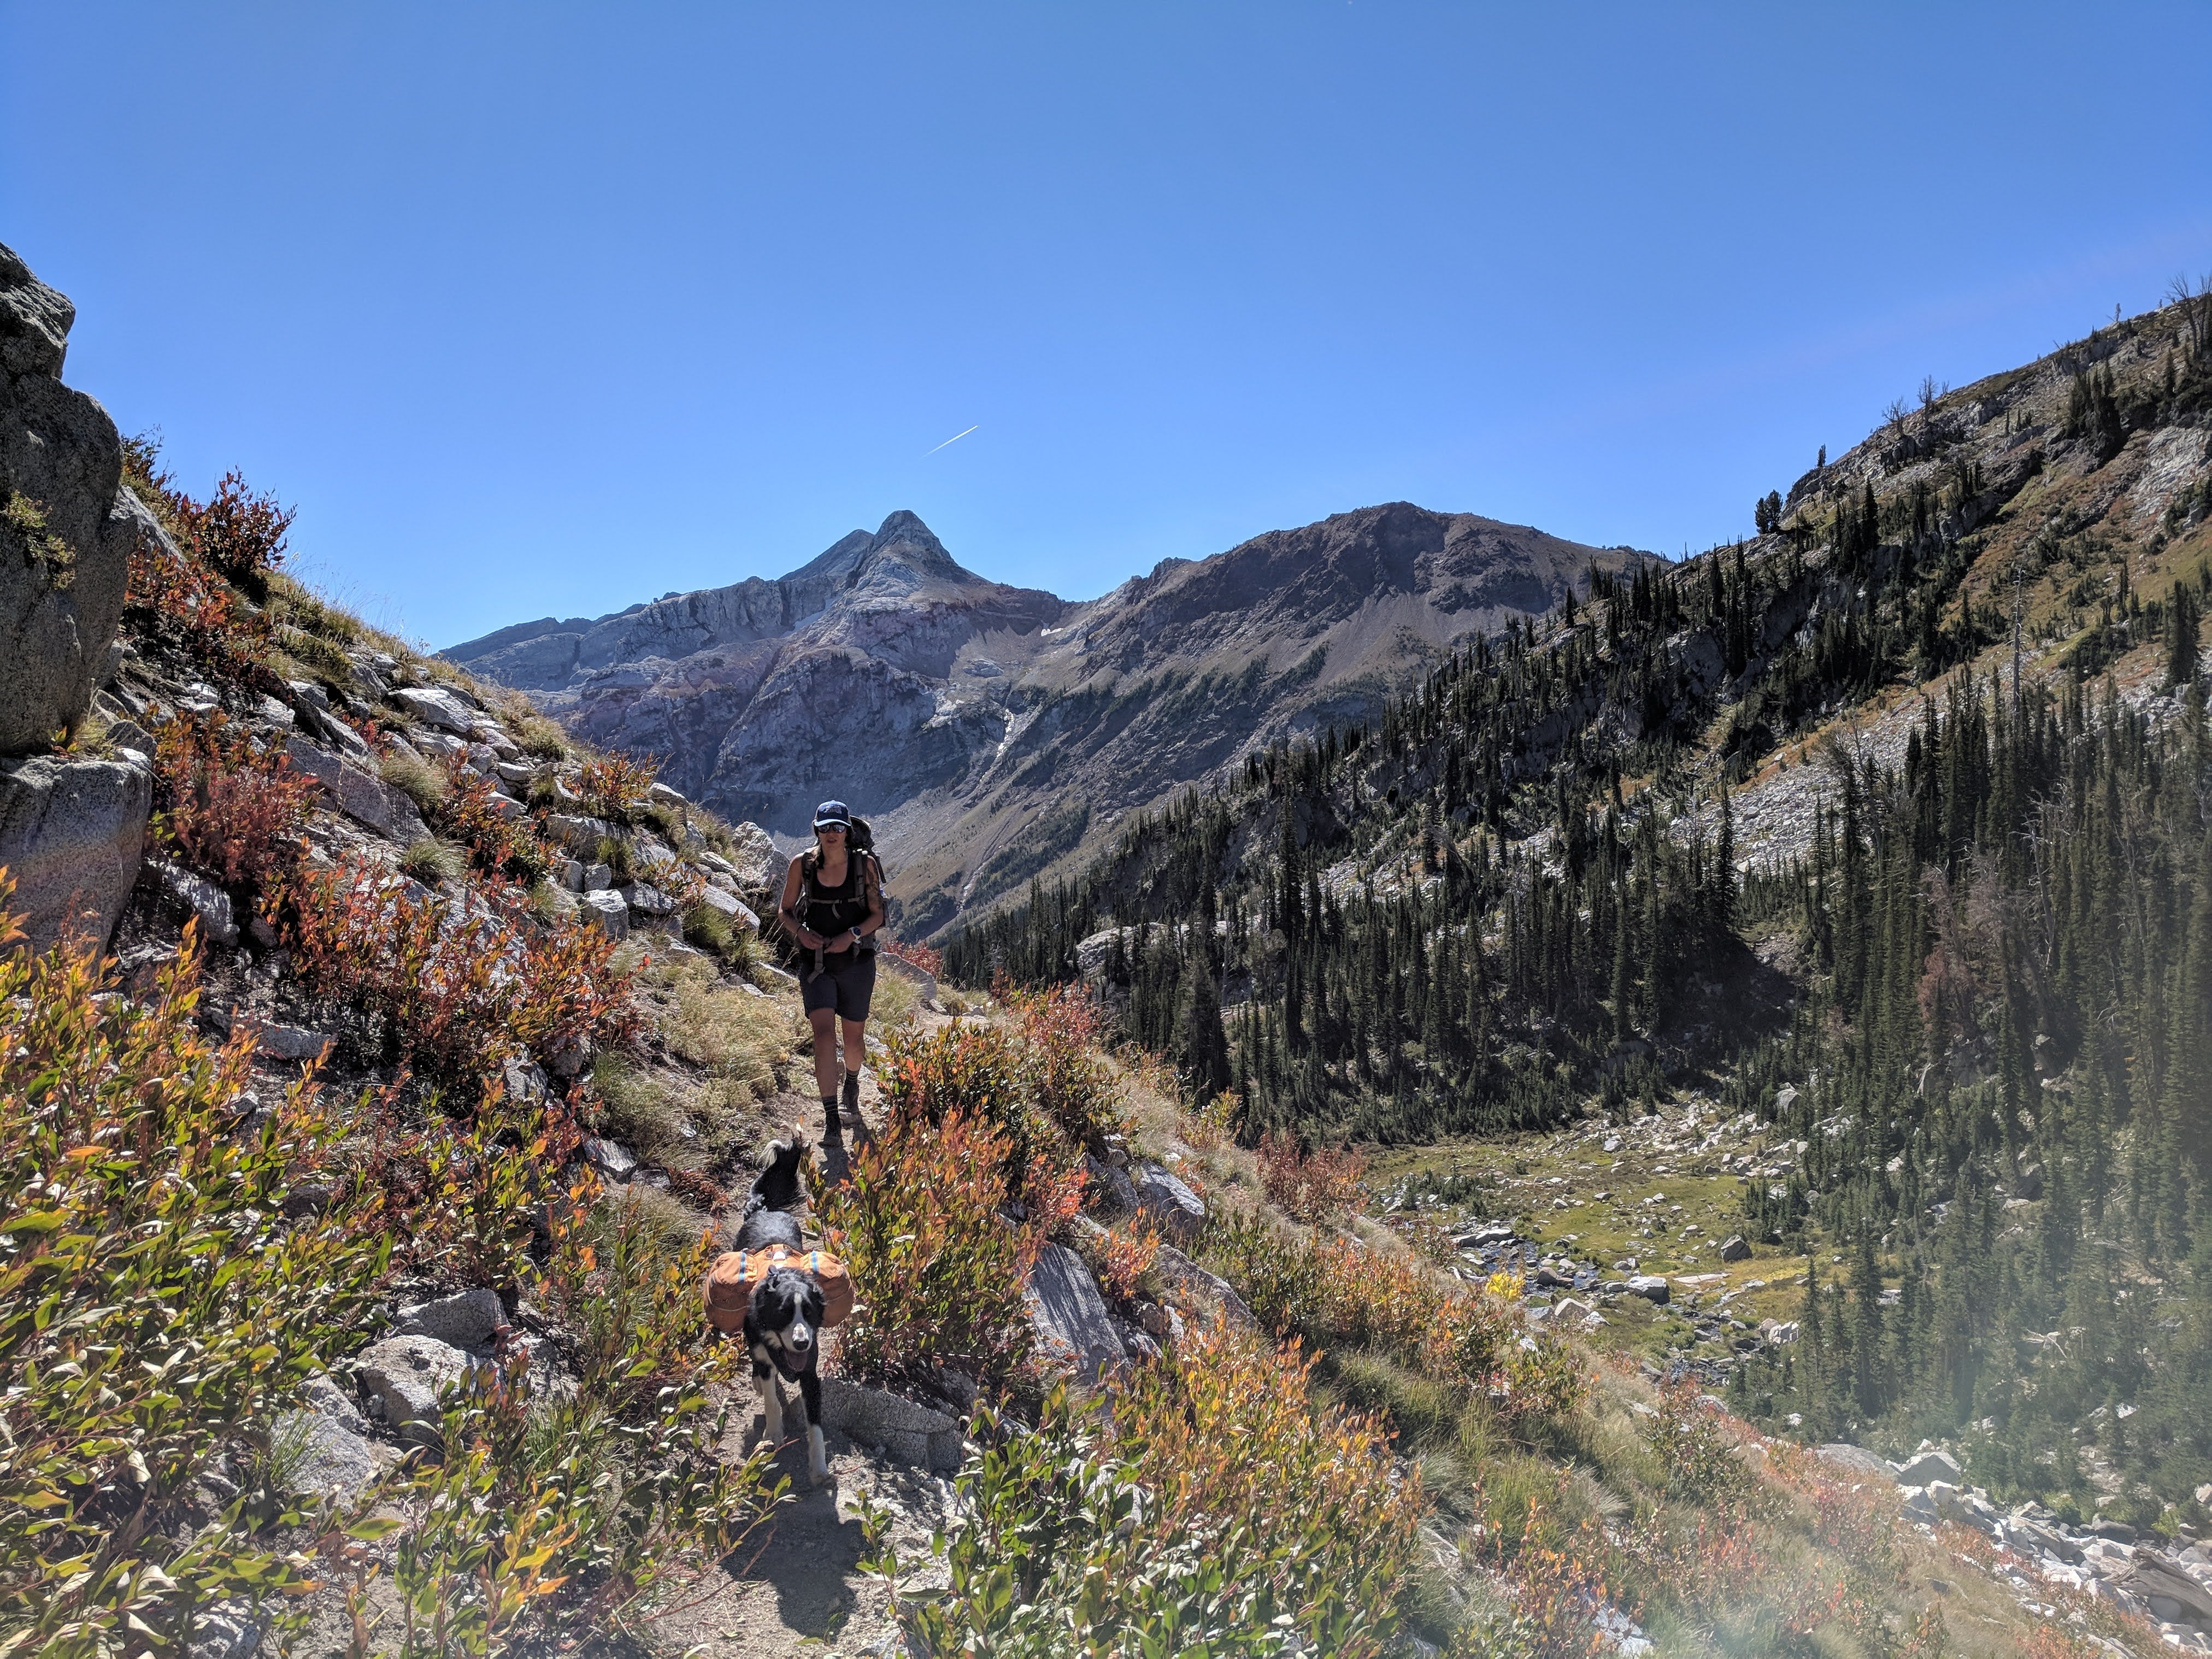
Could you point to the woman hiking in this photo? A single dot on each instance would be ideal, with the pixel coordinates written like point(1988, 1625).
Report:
point(833, 901)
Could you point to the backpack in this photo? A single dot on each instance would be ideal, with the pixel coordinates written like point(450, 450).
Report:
point(861, 843)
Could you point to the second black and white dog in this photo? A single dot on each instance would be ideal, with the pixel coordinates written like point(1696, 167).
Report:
point(783, 1322)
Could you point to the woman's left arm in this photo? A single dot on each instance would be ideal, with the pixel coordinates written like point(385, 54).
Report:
point(873, 921)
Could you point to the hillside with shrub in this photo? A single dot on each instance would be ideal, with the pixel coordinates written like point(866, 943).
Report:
point(1851, 886)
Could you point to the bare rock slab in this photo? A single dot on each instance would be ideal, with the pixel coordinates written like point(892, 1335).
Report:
point(906, 1432)
point(1069, 1316)
point(67, 525)
point(71, 832)
point(470, 1319)
point(1179, 1211)
point(1183, 1274)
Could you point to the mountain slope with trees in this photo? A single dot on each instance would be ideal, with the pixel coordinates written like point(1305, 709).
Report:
point(1973, 989)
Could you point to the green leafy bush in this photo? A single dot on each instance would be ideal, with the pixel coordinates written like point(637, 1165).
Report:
point(156, 1308)
point(937, 1273)
point(1211, 1508)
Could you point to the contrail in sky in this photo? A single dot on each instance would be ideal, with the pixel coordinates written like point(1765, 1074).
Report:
point(954, 438)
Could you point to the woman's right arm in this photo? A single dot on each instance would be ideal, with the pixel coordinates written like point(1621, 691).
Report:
point(787, 912)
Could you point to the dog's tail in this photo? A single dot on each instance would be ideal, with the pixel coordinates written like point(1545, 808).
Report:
point(777, 1187)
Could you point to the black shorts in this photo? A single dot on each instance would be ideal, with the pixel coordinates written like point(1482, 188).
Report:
point(847, 983)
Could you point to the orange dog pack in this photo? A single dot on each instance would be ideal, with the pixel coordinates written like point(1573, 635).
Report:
point(730, 1283)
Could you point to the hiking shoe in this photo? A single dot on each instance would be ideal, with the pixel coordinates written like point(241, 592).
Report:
point(853, 1093)
point(831, 1130)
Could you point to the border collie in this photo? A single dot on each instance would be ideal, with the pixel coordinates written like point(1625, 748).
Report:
point(783, 1323)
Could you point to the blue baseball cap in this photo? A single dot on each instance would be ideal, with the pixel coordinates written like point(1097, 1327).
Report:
point(832, 812)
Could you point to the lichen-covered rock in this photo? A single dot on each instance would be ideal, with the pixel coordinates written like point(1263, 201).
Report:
point(405, 1374)
point(67, 526)
point(469, 1319)
point(71, 832)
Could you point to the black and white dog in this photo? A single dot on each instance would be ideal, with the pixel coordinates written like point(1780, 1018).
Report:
point(783, 1323)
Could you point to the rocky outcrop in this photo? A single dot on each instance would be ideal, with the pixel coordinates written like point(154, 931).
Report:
point(1073, 1331)
point(990, 731)
point(71, 832)
point(66, 528)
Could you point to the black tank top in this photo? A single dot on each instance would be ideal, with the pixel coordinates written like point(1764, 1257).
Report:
point(830, 911)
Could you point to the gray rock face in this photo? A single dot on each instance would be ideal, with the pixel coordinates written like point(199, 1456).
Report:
point(1112, 1185)
point(1650, 1287)
point(605, 911)
point(71, 833)
point(1069, 1315)
point(468, 1320)
point(945, 690)
point(1186, 1275)
point(361, 794)
point(1177, 1209)
point(906, 1431)
point(1733, 1248)
point(200, 898)
point(405, 1373)
point(66, 527)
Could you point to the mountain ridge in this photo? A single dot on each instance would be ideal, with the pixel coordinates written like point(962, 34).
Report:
point(989, 726)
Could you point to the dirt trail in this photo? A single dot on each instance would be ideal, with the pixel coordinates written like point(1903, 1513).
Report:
point(795, 1585)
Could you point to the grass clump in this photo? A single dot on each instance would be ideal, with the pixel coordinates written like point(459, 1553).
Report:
point(724, 937)
point(430, 860)
point(539, 739)
point(415, 778)
point(641, 1112)
point(737, 1038)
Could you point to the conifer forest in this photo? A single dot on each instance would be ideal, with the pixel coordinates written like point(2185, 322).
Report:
point(1973, 987)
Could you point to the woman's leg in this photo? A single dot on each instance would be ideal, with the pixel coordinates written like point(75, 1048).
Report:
point(856, 1053)
point(824, 1022)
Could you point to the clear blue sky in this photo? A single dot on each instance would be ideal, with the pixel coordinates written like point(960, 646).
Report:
point(552, 308)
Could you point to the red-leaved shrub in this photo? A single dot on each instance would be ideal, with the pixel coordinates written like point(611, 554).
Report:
point(460, 986)
point(231, 805)
point(500, 841)
point(1308, 1185)
point(611, 783)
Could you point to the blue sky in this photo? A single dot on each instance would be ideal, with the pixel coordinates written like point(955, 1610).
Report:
point(551, 309)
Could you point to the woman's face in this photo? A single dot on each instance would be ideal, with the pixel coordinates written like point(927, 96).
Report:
point(829, 837)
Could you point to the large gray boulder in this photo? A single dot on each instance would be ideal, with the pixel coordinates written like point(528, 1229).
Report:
point(66, 529)
point(333, 1457)
point(71, 832)
point(1927, 1466)
point(1069, 1316)
point(359, 794)
point(1183, 1274)
point(468, 1319)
